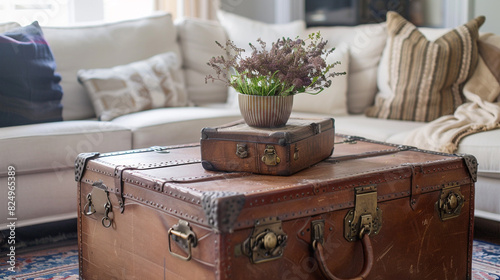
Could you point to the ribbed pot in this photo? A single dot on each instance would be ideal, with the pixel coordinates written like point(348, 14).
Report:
point(265, 111)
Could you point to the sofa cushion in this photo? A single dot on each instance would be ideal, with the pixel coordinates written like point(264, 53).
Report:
point(332, 100)
point(172, 126)
point(243, 30)
point(54, 146)
point(376, 129)
point(371, 128)
point(105, 45)
point(29, 87)
point(7, 26)
point(425, 78)
point(486, 148)
point(366, 43)
point(152, 83)
point(197, 39)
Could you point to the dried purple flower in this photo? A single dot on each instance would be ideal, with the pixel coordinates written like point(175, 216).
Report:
point(289, 67)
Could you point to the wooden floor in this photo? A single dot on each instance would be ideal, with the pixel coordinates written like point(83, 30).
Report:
point(487, 230)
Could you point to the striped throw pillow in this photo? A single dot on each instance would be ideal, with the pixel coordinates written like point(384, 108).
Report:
point(426, 78)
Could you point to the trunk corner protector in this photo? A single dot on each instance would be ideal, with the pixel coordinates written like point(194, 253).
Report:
point(471, 163)
point(222, 209)
point(81, 162)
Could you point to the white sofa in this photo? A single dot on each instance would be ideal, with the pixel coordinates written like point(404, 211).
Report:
point(43, 154)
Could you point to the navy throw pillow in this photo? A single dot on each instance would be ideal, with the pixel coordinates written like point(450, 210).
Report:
point(29, 87)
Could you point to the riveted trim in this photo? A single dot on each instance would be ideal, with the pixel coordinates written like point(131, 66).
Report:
point(471, 163)
point(81, 162)
point(222, 209)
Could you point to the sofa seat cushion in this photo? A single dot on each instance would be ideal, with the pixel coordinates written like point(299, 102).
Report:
point(487, 196)
point(374, 129)
point(485, 146)
point(172, 126)
point(54, 146)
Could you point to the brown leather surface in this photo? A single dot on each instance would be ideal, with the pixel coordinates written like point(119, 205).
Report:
point(161, 188)
point(311, 139)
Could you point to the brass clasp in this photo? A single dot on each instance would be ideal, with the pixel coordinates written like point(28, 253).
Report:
point(317, 232)
point(270, 157)
point(266, 243)
point(450, 202)
point(366, 217)
point(242, 150)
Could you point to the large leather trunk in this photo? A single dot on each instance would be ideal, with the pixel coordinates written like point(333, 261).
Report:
point(273, 151)
point(371, 211)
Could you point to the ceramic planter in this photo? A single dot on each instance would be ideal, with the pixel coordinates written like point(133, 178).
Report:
point(265, 111)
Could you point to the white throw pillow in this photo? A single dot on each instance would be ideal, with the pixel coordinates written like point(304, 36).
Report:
point(332, 100)
point(7, 26)
point(153, 83)
point(243, 30)
point(197, 39)
point(366, 43)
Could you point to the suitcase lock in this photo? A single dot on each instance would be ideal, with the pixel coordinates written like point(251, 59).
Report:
point(266, 243)
point(450, 202)
point(270, 157)
point(98, 203)
point(366, 217)
point(242, 150)
point(182, 234)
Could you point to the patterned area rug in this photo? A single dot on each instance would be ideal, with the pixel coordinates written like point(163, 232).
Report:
point(62, 264)
point(485, 261)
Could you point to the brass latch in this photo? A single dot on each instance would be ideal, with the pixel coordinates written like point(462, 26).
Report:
point(450, 202)
point(267, 241)
point(242, 150)
point(317, 232)
point(366, 217)
point(182, 234)
point(270, 157)
point(98, 203)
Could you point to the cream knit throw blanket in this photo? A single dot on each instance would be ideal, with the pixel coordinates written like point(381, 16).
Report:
point(480, 112)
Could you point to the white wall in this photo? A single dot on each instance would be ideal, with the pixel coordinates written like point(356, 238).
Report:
point(490, 9)
point(261, 10)
point(437, 13)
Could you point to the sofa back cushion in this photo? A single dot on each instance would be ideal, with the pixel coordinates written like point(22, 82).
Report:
point(366, 43)
point(425, 78)
point(29, 87)
point(102, 46)
point(333, 99)
point(197, 39)
point(138, 86)
point(6, 26)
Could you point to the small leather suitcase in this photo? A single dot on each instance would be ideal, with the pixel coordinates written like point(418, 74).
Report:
point(274, 151)
point(370, 211)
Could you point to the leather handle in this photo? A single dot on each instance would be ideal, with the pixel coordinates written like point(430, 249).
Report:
point(367, 260)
